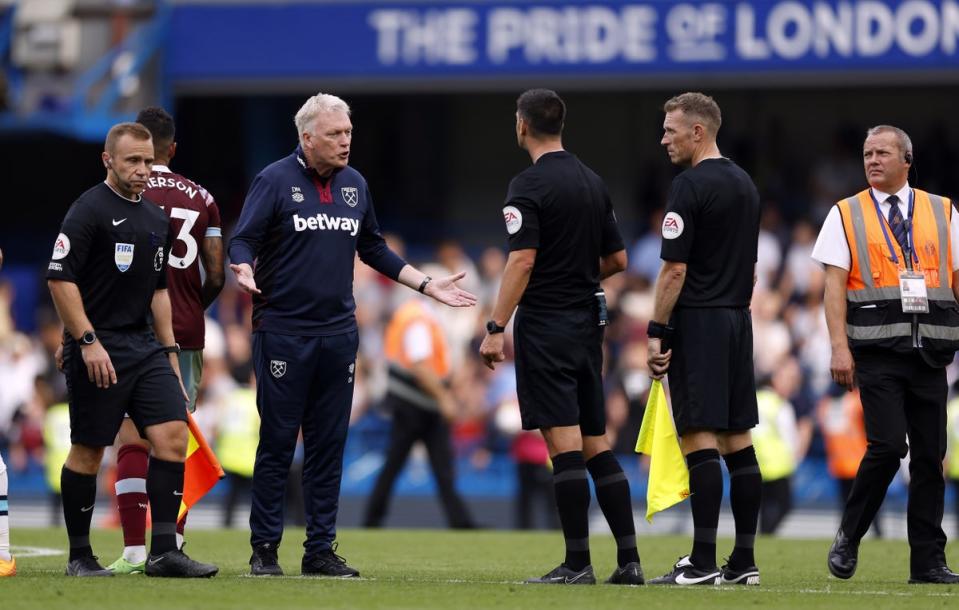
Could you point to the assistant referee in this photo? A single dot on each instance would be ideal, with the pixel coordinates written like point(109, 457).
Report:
point(107, 276)
point(563, 239)
point(710, 235)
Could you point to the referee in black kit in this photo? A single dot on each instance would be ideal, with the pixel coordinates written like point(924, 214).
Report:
point(710, 235)
point(107, 276)
point(563, 240)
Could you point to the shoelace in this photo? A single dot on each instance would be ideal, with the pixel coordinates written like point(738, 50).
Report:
point(336, 558)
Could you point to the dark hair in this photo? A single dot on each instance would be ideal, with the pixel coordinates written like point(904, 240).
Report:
point(119, 130)
point(160, 124)
point(543, 110)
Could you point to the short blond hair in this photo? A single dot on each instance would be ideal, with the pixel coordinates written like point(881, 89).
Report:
point(319, 103)
point(699, 106)
point(119, 130)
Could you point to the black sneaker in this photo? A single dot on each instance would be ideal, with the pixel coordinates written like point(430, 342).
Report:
point(176, 564)
point(263, 561)
point(629, 574)
point(561, 575)
point(685, 573)
point(327, 563)
point(86, 566)
point(749, 576)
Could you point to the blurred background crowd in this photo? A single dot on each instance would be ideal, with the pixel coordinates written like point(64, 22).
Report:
point(433, 135)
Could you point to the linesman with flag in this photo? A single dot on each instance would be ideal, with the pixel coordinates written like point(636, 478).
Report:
point(710, 236)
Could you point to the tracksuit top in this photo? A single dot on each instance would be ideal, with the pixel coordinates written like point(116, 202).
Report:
point(301, 233)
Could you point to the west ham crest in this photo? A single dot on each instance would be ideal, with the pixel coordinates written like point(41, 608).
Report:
point(350, 195)
point(277, 368)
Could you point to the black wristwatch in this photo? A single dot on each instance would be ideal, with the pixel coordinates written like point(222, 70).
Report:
point(171, 349)
point(493, 328)
point(88, 338)
point(422, 288)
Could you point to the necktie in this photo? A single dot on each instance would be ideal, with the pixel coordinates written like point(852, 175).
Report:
point(896, 222)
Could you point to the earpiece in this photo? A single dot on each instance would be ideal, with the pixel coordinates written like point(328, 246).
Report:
point(908, 157)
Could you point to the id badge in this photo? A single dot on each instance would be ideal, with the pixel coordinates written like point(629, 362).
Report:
point(912, 289)
point(603, 317)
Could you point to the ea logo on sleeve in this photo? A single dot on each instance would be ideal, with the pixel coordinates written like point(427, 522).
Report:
point(672, 226)
point(513, 218)
point(61, 247)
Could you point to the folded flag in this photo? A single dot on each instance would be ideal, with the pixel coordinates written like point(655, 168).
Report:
point(668, 475)
point(201, 471)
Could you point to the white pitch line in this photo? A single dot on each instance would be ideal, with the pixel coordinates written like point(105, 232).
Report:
point(35, 551)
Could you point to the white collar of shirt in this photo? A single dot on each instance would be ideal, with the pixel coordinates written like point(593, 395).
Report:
point(163, 169)
point(115, 192)
point(903, 194)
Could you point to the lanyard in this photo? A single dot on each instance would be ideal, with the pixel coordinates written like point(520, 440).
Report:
point(883, 223)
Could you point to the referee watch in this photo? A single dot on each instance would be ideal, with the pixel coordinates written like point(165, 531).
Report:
point(88, 338)
point(493, 328)
point(171, 349)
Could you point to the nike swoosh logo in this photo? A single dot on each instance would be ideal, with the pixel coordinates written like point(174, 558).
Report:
point(572, 580)
point(682, 580)
point(154, 560)
point(87, 509)
point(178, 493)
point(118, 222)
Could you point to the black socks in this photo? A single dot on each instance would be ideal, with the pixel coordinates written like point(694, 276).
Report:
point(706, 487)
point(572, 500)
point(165, 491)
point(612, 493)
point(745, 493)
point(79, 493)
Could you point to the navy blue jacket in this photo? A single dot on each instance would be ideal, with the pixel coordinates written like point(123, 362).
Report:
point(304, 232)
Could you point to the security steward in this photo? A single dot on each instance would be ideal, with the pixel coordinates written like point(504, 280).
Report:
point(107, 277)
point(422, 407)
point(563, 239)
point(891, 253)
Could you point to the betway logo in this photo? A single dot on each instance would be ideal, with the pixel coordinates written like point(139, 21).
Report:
point(323, 222)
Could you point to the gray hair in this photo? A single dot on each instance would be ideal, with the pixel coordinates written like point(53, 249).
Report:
point(905, 144)
point(319, 103)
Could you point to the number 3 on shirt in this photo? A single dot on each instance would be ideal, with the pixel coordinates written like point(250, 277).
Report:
point(189, 219)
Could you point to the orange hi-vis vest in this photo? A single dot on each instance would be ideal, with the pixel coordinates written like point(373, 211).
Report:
point(874, 316)
point(401, 381)
point(844, 433)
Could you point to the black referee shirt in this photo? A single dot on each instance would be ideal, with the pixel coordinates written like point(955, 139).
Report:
point(115, 251)
point(562, 209)
point(712, 225)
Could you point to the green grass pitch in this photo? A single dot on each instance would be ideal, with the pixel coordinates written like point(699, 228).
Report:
point(437, 569)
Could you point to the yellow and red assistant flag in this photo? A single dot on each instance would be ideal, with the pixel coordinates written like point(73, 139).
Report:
point(202, 469)
point(668, 476)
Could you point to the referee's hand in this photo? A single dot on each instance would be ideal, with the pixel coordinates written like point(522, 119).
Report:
point(492, 350)
point(99, 367)
point(657, 361)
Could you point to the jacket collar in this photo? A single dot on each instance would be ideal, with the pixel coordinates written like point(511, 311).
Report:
point(306, 168)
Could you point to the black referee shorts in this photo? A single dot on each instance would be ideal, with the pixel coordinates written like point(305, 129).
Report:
point(559, 364)
point(147, 389)
point(711, 377)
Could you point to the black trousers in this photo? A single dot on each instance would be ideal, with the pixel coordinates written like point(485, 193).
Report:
point(777, 502)
point(902, 397)
point(411, 424)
